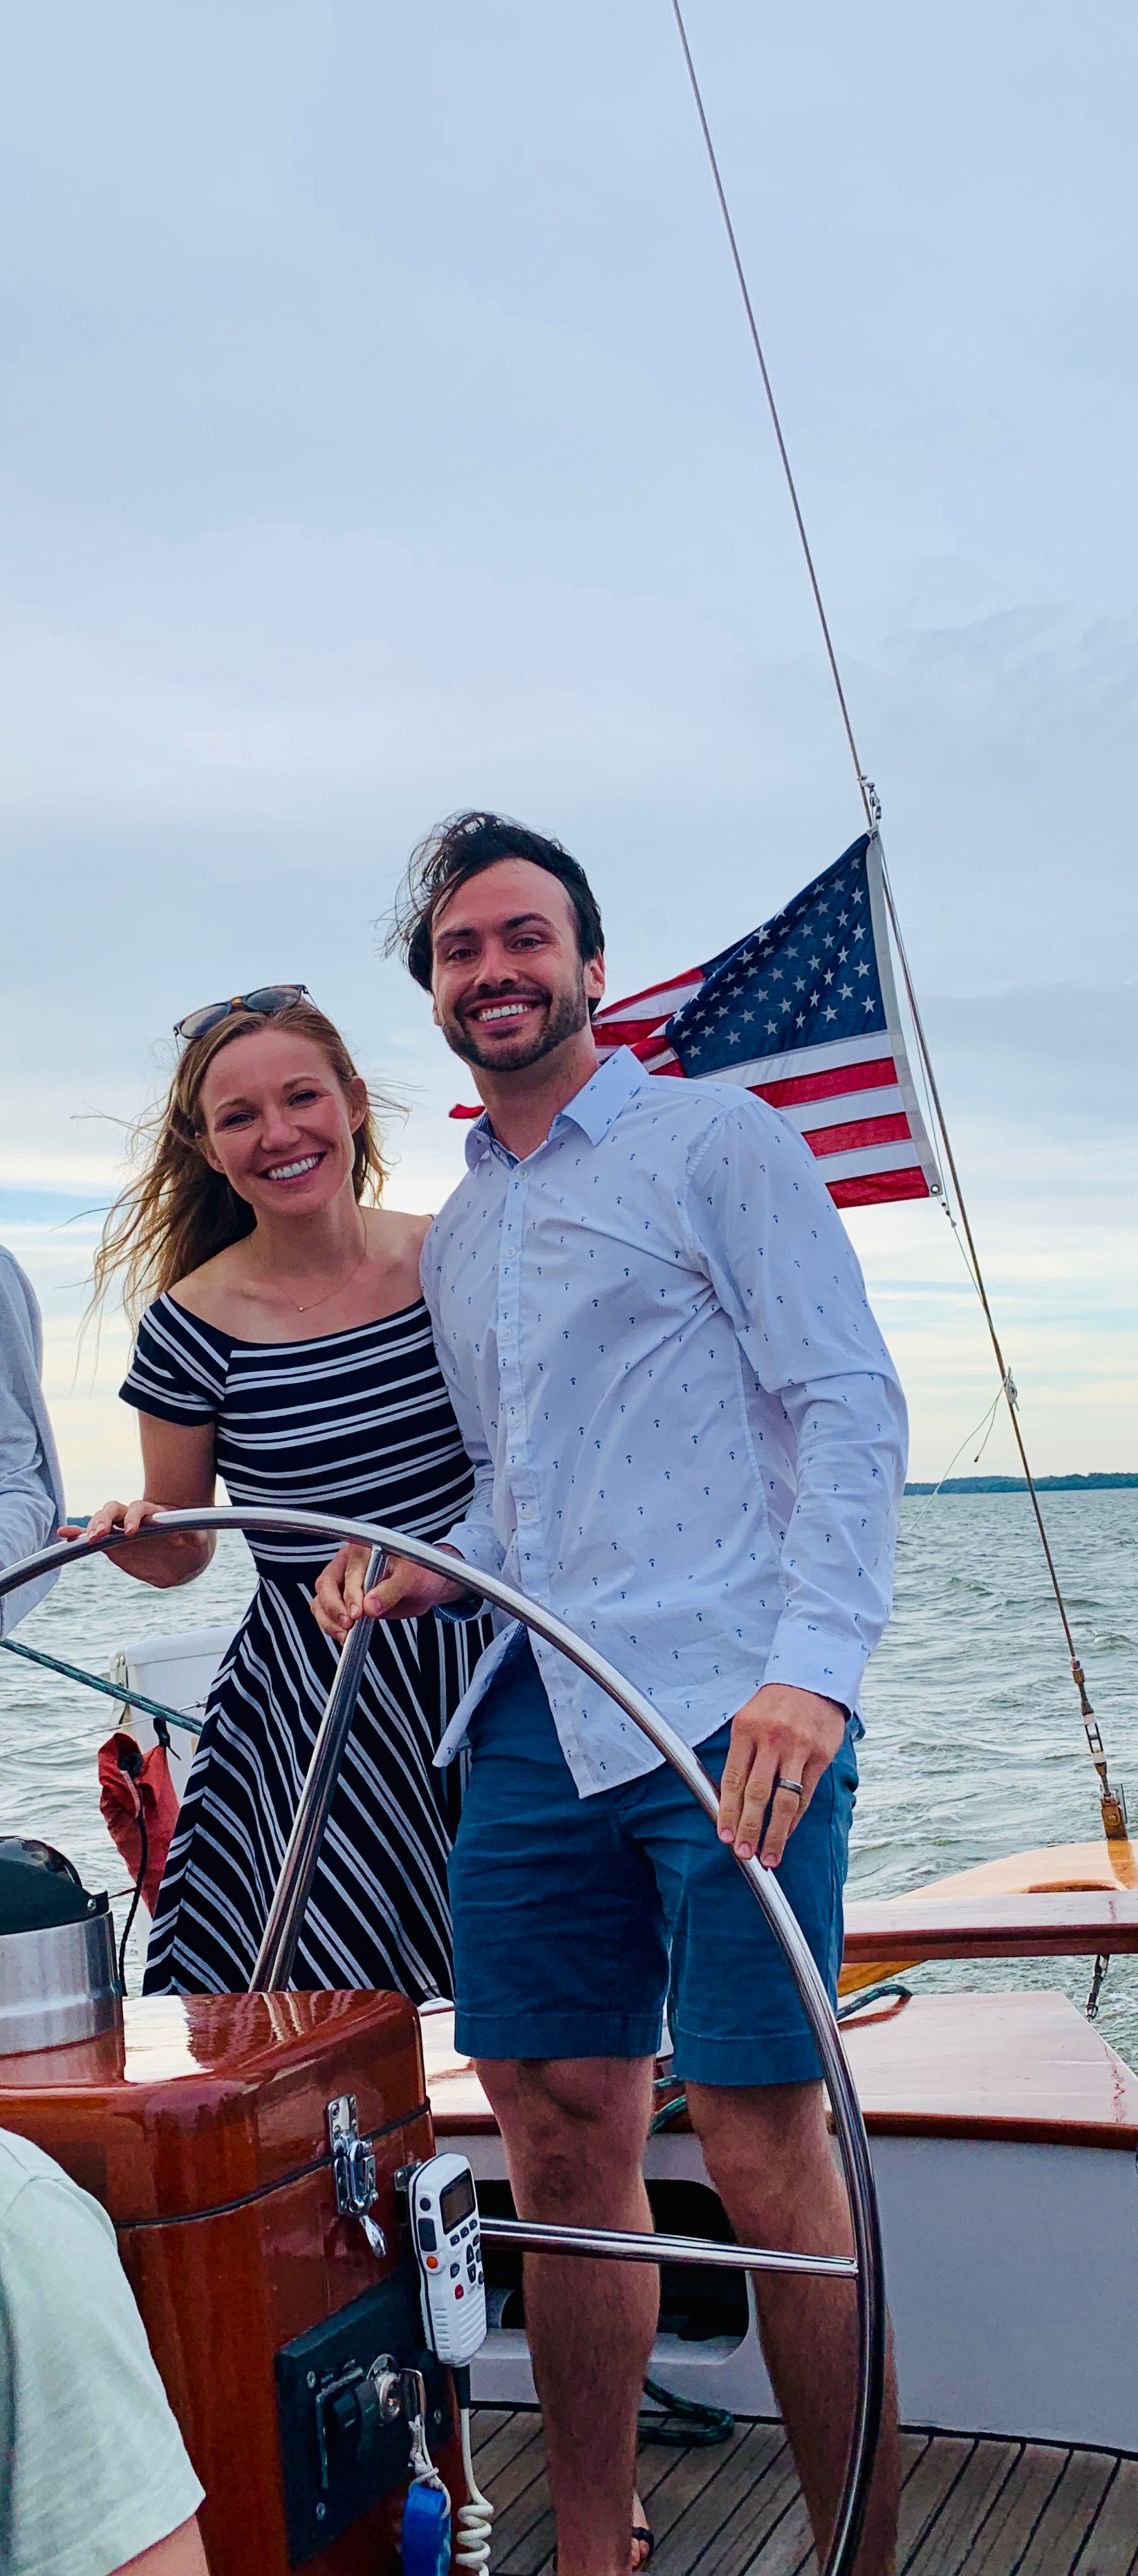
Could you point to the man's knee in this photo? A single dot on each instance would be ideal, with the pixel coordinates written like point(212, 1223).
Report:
point(767, 2141)
point(571, 2125)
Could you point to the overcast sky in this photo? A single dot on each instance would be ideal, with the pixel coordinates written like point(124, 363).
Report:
point(380, 436)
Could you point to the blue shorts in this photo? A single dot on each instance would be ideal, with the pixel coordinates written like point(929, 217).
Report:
point(577, 1919)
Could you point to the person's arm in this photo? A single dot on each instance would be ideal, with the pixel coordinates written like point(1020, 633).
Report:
point(407, 1591)
point(179, 1466)
point(762, 1223)
point(180, 2554)
point(27, 1503)
point(30, 1492)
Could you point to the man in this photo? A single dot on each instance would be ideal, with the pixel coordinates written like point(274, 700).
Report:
point(94, 2476)
point(689, 1441)
point(31, 1487)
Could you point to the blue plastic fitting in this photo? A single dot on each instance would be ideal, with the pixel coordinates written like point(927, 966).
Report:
point(426, 2532)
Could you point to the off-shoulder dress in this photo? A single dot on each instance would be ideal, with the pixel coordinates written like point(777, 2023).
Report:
point(359, 1423)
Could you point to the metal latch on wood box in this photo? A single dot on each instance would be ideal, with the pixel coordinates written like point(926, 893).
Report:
point(353, 2169)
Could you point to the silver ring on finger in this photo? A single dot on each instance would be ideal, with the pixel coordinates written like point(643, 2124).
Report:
point(794, 1787)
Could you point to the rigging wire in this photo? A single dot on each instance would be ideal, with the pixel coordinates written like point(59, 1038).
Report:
point(1112, 1804)
point(985, 1425)
point(865, 785)
point(126, 1698)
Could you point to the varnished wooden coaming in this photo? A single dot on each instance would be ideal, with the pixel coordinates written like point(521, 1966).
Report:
point(1022, 2068)
point(902, 1931)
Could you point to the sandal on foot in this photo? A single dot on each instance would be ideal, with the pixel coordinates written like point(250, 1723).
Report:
point(640, 2532)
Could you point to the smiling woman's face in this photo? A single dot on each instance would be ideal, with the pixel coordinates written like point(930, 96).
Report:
point(278, 1123)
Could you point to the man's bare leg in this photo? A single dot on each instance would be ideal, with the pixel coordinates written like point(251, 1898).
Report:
point(768, 2155)
point(574, 2132)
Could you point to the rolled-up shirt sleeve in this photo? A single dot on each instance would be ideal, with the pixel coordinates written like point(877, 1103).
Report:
point(762, 1222)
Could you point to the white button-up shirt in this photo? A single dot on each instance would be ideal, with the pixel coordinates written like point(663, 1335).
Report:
point(688, 1436)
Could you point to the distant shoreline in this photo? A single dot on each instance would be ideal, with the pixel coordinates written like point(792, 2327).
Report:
point(1105, 1484)
point(1018, 1485)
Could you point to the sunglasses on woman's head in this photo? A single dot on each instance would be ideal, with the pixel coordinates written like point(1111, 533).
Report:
point(268, 1000)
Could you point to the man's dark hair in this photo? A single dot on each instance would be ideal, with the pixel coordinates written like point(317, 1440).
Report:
point(462, 848)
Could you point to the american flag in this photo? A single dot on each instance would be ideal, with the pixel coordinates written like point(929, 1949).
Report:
point(804, 1012)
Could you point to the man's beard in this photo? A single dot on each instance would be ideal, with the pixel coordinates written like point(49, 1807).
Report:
point(567, 1015)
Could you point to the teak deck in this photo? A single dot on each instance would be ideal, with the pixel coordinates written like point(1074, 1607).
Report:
point(969, 2508)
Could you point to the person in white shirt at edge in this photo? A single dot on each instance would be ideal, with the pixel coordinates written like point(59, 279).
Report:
point(31, 1486)
point(689, 1441)
point(94, 2476)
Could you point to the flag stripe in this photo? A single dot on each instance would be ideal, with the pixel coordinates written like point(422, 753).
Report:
point(870, 1158)
point(658, 1056)
point(856, 1132)
point(877, 1188)
point(655, 1004)
point(755, 1075)
point(819, 1117)
point(822, 1086)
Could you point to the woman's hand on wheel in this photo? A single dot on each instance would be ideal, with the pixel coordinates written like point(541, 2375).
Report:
point(167, 1559)
point(126, 1517)
point(404, 1591)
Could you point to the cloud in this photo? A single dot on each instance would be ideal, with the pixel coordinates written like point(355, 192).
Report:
point(383, 436)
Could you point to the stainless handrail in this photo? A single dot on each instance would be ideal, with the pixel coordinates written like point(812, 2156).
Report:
point(316, 1797)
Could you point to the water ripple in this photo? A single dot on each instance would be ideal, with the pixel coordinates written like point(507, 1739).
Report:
point(974, 1745)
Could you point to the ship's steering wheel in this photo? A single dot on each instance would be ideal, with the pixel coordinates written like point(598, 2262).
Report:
point(286, 1915)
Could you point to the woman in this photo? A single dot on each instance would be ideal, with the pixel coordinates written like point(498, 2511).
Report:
point(251, 1215)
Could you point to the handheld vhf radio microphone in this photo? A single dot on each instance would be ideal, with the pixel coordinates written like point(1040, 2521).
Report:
point(448, 2249)
point(443, 2209)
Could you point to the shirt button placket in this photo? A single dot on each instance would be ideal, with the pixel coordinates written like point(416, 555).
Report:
point(518, 1465)
point(509, 1336)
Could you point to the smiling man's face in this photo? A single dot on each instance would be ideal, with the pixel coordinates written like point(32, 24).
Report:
point(508, 982)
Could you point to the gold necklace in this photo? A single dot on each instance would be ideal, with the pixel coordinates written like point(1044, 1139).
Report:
point(312, 1302)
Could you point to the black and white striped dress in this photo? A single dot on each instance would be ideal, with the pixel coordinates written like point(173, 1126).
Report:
point(359, 1423)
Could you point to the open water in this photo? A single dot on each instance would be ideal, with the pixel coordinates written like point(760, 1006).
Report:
point(974, 1745)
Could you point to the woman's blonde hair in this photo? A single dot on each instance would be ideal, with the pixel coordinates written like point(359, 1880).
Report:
point(177, 1211)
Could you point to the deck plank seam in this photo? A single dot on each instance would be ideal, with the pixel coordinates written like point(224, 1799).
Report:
point(1024, 2554)
point(679, 2470)
point(506, 2461)
point(1013, 2566)
point(936, 2510)
point(755, 2562)
point(736, 2485)
point(728, 2504)
point(1096, 2518)
point(955, 2557)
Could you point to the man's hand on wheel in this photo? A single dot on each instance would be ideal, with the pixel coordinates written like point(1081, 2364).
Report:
point(780, 1734)
point(404, 1591)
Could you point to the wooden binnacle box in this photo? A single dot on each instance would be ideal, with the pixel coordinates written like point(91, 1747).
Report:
point(202, 2128)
